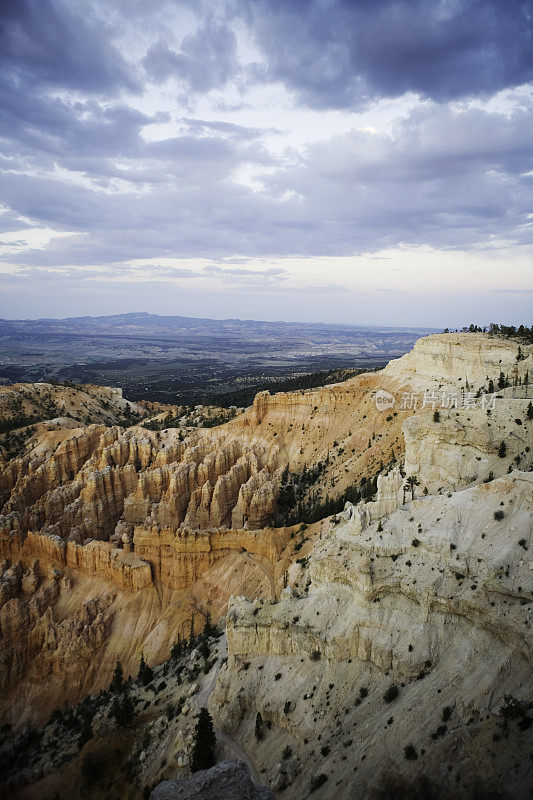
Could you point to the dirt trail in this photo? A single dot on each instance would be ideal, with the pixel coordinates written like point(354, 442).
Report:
point(234, 745)
point(201, 699)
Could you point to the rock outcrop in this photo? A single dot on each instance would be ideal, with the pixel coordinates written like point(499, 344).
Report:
point(229, 780)
point(431, 599)
point(79, 403)
point(179, 558)
point(439, 555)
point(462, 359)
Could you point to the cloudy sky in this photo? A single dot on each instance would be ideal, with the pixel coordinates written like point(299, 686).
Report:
point(355, 161)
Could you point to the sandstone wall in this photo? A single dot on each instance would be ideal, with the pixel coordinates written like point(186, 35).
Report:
point(438, 567)
point(454, 358)
point(100, 559)
point(179, 557)
point(462, 447)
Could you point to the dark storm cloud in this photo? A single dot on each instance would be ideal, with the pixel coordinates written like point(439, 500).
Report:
point(59, 128)
point(61, 45)
point(344, 53)
point(445, 178)
point(207, 59)
point(59, 68)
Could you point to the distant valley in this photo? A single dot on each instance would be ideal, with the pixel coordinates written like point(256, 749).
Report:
point(184, 359)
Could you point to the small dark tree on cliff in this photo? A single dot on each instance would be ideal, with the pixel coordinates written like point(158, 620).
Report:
point(491, 386)
point(209, 628)
point(177, 648)
point(146, 673)
point(92, 767)
point(502, 450)
point(123, 709)
point(259, 733)
point(412, 481)
point(203, 755)
point(530, 411)
point(117, 680)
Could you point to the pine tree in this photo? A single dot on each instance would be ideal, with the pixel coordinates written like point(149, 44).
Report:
point(203, 755)
point(177, 648)
point(209, 629)
point(117, 681)
point(191, 635)
point(530, 410)
point(203, 649)
point(501, 381)
point(412, 481)
point(7, 730)
point(259, 733)
point(142, 666)
point(491, 386)
point(146, 673)
point(127, 711)
point(502, 450)
point(123, 709)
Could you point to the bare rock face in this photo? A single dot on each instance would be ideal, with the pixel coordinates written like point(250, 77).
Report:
point(180, 557)
point(387, 500)
point(431, 599)
point(229, 780)
point(465, 445)
point(431, 552)
point(38, 642)
point(458, 358)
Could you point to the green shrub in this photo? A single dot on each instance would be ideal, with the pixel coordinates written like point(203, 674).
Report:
point(410, 753)
point(318, 781)
point(391, 693)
